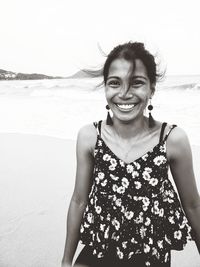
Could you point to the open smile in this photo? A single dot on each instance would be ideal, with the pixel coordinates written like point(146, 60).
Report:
point(126, 107)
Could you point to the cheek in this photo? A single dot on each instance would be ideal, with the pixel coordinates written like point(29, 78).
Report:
point(108, 93)
point(145, 97)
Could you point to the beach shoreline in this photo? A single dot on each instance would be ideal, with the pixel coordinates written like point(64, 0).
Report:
point(37, 180)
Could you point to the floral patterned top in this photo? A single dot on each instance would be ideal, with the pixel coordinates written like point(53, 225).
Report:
point(134, 206)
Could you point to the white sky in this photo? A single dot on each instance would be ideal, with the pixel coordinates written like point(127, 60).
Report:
point(58, 37)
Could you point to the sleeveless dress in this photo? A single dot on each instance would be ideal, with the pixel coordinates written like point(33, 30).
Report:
point(134, 206)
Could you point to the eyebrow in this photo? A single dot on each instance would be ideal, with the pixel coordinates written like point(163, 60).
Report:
point(113, 77)
point(139, 76)
point(133, 77)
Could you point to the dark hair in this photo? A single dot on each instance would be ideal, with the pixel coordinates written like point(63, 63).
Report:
point(129, 51)
point(132, 51)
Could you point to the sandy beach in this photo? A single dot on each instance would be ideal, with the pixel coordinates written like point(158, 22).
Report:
point(37, 178)
point(37, 175)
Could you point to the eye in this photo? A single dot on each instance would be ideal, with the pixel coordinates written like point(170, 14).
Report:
point(137, 83)
point(113, 83)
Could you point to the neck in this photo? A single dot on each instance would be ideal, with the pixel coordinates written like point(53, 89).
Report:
point(130, 129)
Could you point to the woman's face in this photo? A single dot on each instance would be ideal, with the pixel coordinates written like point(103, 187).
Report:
point(127, 92)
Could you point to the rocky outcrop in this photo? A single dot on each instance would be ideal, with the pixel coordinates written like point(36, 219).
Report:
point(9, 75)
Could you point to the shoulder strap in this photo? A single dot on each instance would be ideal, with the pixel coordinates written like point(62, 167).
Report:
point(170, 129)
point(97, 125)
point(162, 131)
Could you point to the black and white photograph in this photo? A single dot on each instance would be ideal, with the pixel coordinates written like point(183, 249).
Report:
point(99, 133)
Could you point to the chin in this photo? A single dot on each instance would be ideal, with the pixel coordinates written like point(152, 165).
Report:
point(125, 120)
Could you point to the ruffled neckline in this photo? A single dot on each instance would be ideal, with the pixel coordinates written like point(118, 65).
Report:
point(137, 159)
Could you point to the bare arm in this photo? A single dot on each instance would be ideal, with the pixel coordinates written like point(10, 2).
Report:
point(84, 151)
point(180, 157)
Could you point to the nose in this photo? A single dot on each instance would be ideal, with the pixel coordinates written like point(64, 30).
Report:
point(125, 92)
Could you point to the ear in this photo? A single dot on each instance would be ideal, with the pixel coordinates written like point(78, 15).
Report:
point(153, 86)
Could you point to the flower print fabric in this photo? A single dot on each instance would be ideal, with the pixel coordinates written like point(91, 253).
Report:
point(134, 206)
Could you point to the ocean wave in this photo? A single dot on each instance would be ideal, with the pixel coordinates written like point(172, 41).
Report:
point(186, 86)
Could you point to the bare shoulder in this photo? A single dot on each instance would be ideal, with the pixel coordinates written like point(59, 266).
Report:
point(178, 136)
point(178, 144)
point(87, 136)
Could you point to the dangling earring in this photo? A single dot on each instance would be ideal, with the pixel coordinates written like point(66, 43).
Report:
point(109, 120)
point(151, 119)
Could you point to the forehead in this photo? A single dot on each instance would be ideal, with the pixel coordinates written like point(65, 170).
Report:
point(121, 67)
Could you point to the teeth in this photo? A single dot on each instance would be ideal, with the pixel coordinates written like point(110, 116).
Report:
point(126, 106)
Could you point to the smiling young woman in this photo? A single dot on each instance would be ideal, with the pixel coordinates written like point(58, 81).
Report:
point(124, 207)
point(127, 92)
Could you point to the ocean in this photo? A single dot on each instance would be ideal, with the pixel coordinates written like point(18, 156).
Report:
point(59, 108)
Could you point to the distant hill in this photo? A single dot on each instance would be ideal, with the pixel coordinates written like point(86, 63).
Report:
point(9, 75)
point(86, 74)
